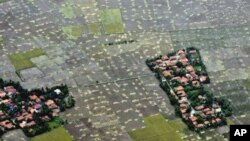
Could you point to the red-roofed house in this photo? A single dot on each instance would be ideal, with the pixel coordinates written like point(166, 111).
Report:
point(189, 68)
point(183, 110)
point(173, 58)
point(10, 89)
point(181, 93)
point(184, 80)
point(31, 123)
point(200, 125)
point(184, 61)
point(209, 112)
point(179, 88)
point(218, 120)
point(167, 73)
point(33, 97)
point(165, 57)
point(199, 107)
point(206, 109)
point(7, 124)
point(49, 102)
point(2, 94)
point(193, 118)
point(6, 101)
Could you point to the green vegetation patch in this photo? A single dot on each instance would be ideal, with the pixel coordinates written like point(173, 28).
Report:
point(73, 31)
point(55, 123)
point(2, 1)
point(58, 134)
point(229, 121)
point(22, 61)
point(177, 124)
point(67, 11)
point(158, 129)
point(111, 21)
point(94, 28)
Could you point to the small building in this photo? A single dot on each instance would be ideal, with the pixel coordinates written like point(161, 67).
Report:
point(193, 118)
point(184, 61)
point(183, 110)
point(206, 110)
point(184, 80)
point(2, 94)
point(22, 124)
point(183, 100)
point(192, 51)
point(179, 52)
point(209, 112)
point(6, 101)
point(57, 91)
point(190, 68)
point(203, 78)
point(33, 97)
point(165, 57)
point(201, 97)
point(181, 94)
point(167, 73)
point(31, 123)
point(179, 88)
point(37, 106)
point(206, 122)
point(218, 120)
point(173, 58)
point(218, 110)
point(183, 105)
point(196, 83)
point(49, 102)
point(7, 124)
point(199, 107)
point(10, 90)
point(200, 125)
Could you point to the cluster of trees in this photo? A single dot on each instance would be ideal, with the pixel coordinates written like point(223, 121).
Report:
point(40, 127)
point(225, 106)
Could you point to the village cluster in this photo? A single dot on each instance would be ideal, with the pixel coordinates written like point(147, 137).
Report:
point(182, 75)
point(31, 110)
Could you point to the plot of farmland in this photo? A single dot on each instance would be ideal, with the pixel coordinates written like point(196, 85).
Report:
point(158, 129)
point(94, 28)
point(73, 31)
point(67, 11)
point(111, 21)
point(58, 134)
point(22, 61)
